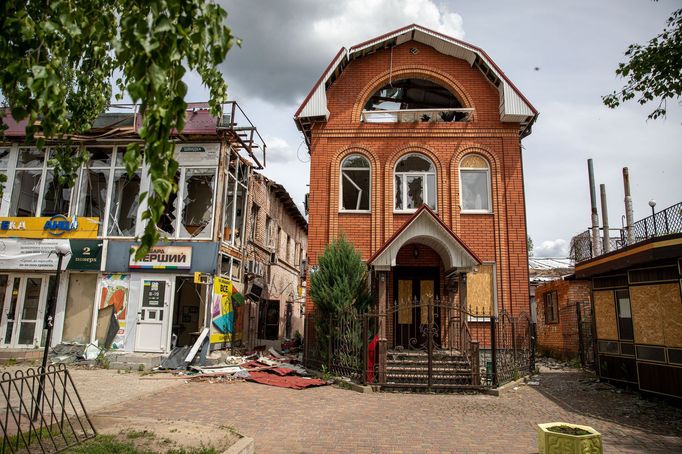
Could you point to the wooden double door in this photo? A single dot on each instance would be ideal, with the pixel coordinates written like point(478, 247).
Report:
point(416, 307)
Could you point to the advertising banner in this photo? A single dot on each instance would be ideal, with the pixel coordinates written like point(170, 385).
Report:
point(27, 254)
point(115, 291)
point(225, 311)
point(164, 258)
point(57, 226)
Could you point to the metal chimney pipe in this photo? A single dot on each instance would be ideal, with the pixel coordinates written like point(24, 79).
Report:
point(605, 219)
point(629, 213)
point(595, 214)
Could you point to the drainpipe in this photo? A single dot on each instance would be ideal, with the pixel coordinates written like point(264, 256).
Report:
point(605, 219)
point(595, 215)
point(629, 214)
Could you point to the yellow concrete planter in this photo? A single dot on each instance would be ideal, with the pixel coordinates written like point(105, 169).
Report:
point(557, 443)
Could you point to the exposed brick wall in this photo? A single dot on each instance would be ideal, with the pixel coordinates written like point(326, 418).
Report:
point(281, 280)
point(499, 237)
point(561, 339)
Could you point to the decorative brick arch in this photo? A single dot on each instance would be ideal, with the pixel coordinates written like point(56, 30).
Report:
point(375, 197)
point(495, 179)
point(421, 72)
point(441, 194)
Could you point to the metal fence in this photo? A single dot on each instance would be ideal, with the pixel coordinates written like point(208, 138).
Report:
point(42, 411)
point(422, 345)
point(665, 222)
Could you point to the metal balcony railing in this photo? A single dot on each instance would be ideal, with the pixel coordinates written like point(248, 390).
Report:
point(665, 222)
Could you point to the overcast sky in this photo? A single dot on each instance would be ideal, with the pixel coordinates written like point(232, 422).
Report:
point(576, 45)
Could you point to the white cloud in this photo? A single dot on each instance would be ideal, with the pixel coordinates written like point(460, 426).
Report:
point(552, 248)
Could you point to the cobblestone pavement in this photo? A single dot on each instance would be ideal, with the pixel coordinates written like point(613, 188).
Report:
point(334, 420)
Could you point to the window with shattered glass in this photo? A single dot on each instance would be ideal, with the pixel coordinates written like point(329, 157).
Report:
point(26, 183)
point(234, 205)
point(415, 183)
point(125, 193)
point(355, 183)
point(168, 222)
point(94, 184)
point(197, 203)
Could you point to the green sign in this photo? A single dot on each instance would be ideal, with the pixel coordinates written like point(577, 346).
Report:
point(85, 255)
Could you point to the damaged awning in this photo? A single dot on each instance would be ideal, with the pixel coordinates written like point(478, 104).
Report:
point(426, 228)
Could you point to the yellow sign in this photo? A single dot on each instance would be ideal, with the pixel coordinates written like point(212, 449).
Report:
point(197, 277)
point(57, 226)
point(222, 312)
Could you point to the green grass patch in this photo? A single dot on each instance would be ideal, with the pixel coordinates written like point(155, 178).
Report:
point(106, 444)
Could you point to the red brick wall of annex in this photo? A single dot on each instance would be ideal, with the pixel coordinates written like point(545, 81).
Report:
point(560, 339)
point(499, 237)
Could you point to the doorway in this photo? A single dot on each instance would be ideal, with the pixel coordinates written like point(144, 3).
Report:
point(187, 313)
point(153, 316)
point(414, 291)
point(23, 301)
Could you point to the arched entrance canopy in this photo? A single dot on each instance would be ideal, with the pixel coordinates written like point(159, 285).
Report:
point(426, 228)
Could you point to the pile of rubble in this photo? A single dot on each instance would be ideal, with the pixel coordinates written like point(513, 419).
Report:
point(270, 368)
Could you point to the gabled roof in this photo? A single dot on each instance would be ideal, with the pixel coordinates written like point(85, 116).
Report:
point(514, 107)
point(425, 227)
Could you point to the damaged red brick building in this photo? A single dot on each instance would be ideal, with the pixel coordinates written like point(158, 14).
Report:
point(415, 145)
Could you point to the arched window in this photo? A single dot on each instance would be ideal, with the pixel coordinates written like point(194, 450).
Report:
point(414, 100)
point(355, 183)
point(474, 178)
point(415, 183)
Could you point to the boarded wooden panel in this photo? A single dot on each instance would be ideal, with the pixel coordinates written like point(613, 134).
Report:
point(671, 304)
point(605, 315)
point(425, 299)
point(404, 302)
point(80, 301)
point(480, 290)
point(647, 318)
point(473, 161)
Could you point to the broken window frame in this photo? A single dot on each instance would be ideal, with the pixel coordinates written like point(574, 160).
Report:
point(237, 177)
point(180, 230)
point(82, 180)
point(345, 180)
point(428, 185)
point(475, 170)
point(111, 217)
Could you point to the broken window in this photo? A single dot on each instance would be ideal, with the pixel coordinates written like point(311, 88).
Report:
point(415, 183)
point(253, 221)
point(93, 193)
point(197, 203)
point(25, 193)
point(125, 195)
point(474, 175)
point(235, 201)
point(228, 209)
point(240, 204)
point(355, 183)
point(425, 101)
point(4, 162)
point(167, 223)
point(56, 197)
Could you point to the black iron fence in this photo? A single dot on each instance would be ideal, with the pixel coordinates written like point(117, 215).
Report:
point(431, 345)
point(42, 411)
point(665, 222)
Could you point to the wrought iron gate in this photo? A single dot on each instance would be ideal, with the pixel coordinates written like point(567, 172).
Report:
point(427, 344)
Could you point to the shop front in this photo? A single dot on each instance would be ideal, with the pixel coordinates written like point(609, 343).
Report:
point(156, 301)
point(28, 264)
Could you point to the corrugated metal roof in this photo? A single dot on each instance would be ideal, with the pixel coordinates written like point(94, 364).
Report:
point(549, 263)
point(514, 107)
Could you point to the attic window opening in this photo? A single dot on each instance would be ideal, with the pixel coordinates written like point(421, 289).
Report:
point(414, 100)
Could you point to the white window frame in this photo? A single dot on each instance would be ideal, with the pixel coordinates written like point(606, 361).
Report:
point(424, 175)
point(235, 186)
point(181, 203)
point(488, 178)
point(342, 181)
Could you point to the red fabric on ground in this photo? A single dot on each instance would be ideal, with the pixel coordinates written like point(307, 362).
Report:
point(285, 381)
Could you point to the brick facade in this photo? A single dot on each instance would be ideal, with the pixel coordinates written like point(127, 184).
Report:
point(499, 237)
point(270, 205)
point(561, 339)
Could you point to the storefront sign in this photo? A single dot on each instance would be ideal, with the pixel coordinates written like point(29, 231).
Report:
point(27, 254)
point(164, 258)
point(198, 153)
point(57, 226)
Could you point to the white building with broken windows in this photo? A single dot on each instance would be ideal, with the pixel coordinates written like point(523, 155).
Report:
point(104, 295)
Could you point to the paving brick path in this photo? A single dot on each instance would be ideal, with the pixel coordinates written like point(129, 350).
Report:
point(333, 420)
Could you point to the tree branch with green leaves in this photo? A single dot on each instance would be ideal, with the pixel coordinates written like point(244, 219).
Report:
point(59, 61)
point(654, 71)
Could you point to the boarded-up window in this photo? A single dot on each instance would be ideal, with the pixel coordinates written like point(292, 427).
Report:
point(405, 302)
point(80, 301)
point(551, 307)
point(481, 290)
